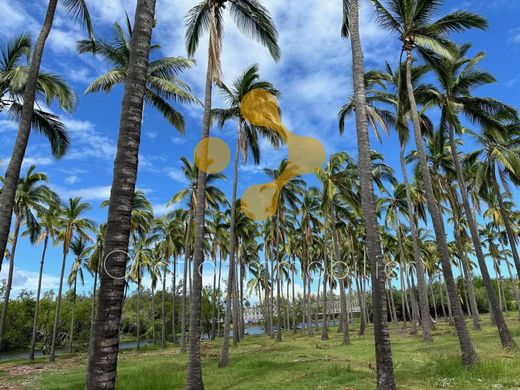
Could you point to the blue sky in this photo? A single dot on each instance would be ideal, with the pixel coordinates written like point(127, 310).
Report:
point(313, 75)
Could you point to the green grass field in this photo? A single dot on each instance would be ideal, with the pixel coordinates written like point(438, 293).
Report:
point(298, 362)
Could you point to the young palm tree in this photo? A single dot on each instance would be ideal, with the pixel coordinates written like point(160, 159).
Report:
point(71, 223)
point(48, 224)
point(247, 141)
point(254, 20)
point(162, 83)
point(413, 22)
point(458, 76)
point(32, 195)
point(384, 363)
point(104, 343)
point(81, 250)
point(77, 9)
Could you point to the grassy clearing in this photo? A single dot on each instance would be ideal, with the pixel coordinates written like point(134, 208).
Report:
point(296, 363)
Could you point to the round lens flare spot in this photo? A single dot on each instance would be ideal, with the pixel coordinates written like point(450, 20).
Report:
point(212, 155)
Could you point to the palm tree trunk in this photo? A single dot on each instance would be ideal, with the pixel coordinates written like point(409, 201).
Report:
point(513, 283)
point(433, 301)
point(9, 284)
point(511, 237)
point(362, 321)
point(324, 329)
point(505, 336)
point(184, 298)
point(267, 321)
point(384, 363)
point(424, 306)
point(138, 312)
point(93, 303)
point(154, 335)
point(12, 174)
point(102, 363)
point(37, 304)
point(467, 275)
point(218, 289)
point(52, 356)
point(293, 301)
point(442, 299)
point(214, 299)
point(469, 356)
point(278, 276)
point(71, 345)
point(236, 309)
point(224, 354)
point(310, 327)
point(163, 307)
point(413, 305)
point(174, 290)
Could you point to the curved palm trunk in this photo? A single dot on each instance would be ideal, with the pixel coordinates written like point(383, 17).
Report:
point(505, 336)
point(104, 344)
point(513, 282)
point(224, 353)
point(71, 345)
point(174, 282)
point(52, 356)
point(384, 363)
point(9, 282)
point(194, 372)
point(38, 292)
point(163, 308)
point(469, 356)
point(424, 306)
point(12, 174)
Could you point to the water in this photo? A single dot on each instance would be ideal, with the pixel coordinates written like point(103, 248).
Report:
point(61, 351)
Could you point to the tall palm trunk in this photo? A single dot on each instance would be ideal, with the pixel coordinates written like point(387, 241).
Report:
point(174, 282)
point(12, 174)
point(52, 356)
point(278, 275)
point(194, 372)
point(218, 289)
point(184, 298)
point(424, 306)
point(9, 284)
point(513, 282)
point(511, 237)
point(71, 343)
point(214, 299)
point(293, 301)
point(93, 304)
point(505, 336)
point(163, 308)
point(337, 254)
point(154, 335)
point(469, 356)
point(465, 269)
point(104, 344)
point(138, 313)
point(38, 292)
point(384, 363)
point(224, 353)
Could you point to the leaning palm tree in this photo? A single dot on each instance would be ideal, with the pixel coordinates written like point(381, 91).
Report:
point(458, 76)
point(384, 363)
point(80, 249)
point(31, 87)
point(252, 18)
point(32, 195)
point(72, 223)
point(413, 21)
point(104, 343)
point(162, 83)
point(247, 141)
point(48, 223)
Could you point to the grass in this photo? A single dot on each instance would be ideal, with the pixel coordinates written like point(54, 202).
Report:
point(298, 362)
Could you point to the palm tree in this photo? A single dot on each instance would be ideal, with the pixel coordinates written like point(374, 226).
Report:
point(252, 18)
point(247, 141)
point(414, 24)
point(48, 224)
point(32, 195)
point(384, 363)
point(71, 223)
point(458, 76)
point(77, 9)
point(214, 197)
point(104, 343)
point(162, 83)
point(496, 162)
point(81, 250)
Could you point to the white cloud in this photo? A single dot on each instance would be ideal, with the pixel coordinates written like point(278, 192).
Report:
point(177, 175)
point(99, 193)
point(72, 179)
point(27, 280)
point(178, 140)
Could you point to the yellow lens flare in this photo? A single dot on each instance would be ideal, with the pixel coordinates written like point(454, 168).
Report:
point(212, 155)
point(306, 154)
